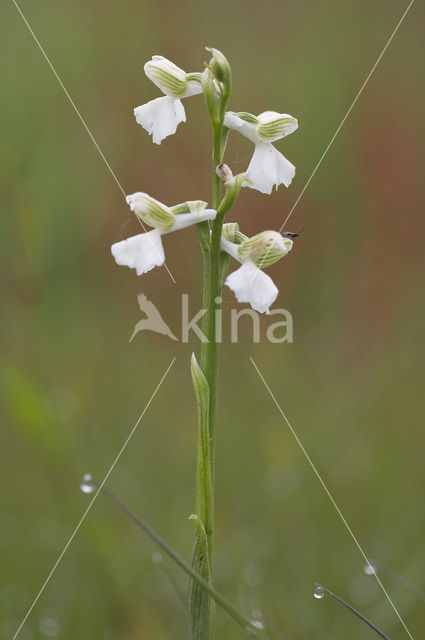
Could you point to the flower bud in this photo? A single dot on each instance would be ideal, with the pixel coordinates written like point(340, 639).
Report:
point(265, 248)
point(274, 126)
point(151, 211)
point(221, 70)
point(167, 76)
point(224, 172)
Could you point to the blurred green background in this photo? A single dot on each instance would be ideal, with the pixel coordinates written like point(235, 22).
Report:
point(351, 384)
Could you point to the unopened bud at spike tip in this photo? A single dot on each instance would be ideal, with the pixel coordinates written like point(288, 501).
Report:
point(221, 70)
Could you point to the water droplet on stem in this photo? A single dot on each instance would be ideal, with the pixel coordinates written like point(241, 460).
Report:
point(318, 593)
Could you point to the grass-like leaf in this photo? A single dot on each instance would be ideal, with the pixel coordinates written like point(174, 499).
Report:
point(350, 608)
point(246, 624)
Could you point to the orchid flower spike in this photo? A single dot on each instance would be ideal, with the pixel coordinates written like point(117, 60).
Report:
point(249, 283)
point(145, 251)
point(161, 117)
point(268, 167)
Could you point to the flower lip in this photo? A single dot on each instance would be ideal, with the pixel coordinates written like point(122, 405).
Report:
point(268, 168)
point(142, 252)
point(160, 117)
point(253, 286)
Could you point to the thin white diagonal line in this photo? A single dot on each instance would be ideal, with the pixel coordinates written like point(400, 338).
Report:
point(338, 510)
point(346, 115)
point(341, 124)
point(69, 98)
point(82, 121)
point(53, 569)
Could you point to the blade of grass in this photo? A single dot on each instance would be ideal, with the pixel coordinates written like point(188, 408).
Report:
point(238, 617)
point(350, 608)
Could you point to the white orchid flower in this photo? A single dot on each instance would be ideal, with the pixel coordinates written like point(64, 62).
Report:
point(249, 283)
point(268, 167)
point(145, 251)
point(161, 117)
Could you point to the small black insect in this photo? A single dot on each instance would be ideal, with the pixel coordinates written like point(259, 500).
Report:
point(291, 234)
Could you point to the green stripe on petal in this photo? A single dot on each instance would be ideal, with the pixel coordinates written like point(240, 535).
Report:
point(192, 206)
point(265, 248)
point(276, 129)
point(151, 211)
point(247, 117)
point(268, 258)
point(167, 76)
point(194, 77)
point(240, 237)
point(169, 84)
point(229, 231)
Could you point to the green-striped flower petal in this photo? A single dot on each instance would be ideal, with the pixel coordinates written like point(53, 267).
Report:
point(167, 76)
point(229, 231)
point(247, 117)
point(265, 248)
point(151, 211)
point(277, 128)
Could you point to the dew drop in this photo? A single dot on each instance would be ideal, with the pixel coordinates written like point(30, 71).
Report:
point(370, 568)
point(257, 624)
point(318, 593)
point(88, 485)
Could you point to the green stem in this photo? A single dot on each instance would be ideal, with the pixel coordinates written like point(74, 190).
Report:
point(200, 607)
point(202, 613)
point(203, 230)
point(214, 291)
